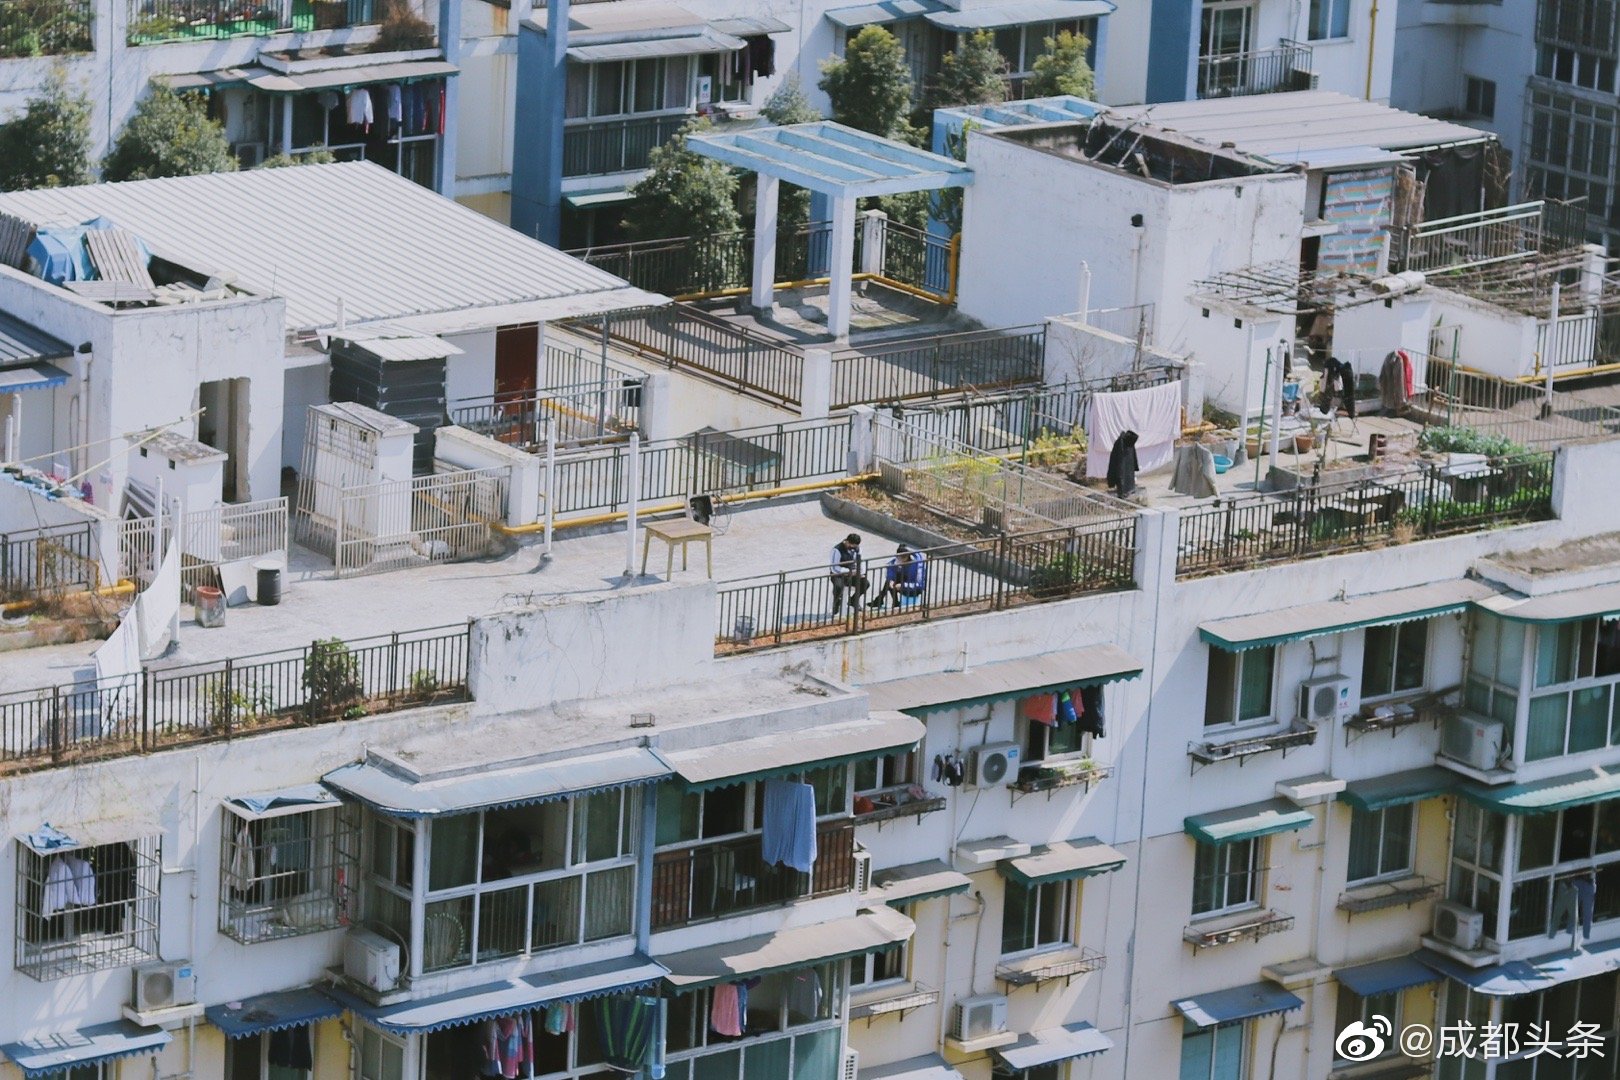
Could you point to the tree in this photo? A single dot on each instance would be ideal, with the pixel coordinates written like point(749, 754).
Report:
point(870, 86)
point(169, 135)
point(318, 156)
point(1063, 69)
point(789, 105)
point(49, 144)
point(975, 74)
point(401, 29)
point(684, 194)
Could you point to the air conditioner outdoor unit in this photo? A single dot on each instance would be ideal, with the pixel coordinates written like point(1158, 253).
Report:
point(863, 871)
point(852, 1065)
point(166, 985)
point(1458, 925)
point(248, 154)
point(1473, 740)
point(995, 765)
point(1324, 700)
point(979, 1016)
point(371, 959)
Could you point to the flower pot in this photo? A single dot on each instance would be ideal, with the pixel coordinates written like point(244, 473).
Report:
point(1253, 448)
point(1304, 444)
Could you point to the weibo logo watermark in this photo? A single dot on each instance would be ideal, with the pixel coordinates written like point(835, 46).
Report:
point(1364, 1041)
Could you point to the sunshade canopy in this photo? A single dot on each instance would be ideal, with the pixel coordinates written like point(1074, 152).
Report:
point(1569, 606)
point(1055, 1044)
point(1063, 861)
point(1018, 13)
point(1529, 976)
point(1398, 789)
point(85, 1046)
point(918, 881)
point(1338, 616)
point(31, 377)
point(882, 13)
point(833, 159)
point(926, 1067)
point(1238, 1003)
point(1384, 976)
point(291, 800)
point(1006, 679)
point(780, 754)
point(1247, 822)
point(1545, 796)
point(273, 1012)
point(799, 946)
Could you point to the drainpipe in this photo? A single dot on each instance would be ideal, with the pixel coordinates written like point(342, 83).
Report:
point(1372, 46)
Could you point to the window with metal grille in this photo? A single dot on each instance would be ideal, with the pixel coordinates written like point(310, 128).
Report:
point(86, 907)
point(287, 872)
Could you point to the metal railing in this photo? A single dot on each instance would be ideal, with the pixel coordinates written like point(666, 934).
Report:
point(153, 22)
point(162, 707)
point(705, 462)
point(208, 539)
point(1263, 71)
point(580, 414)
point(1477, 239)
point(680, 335)
point(35, 563)
point(930, 367)
point(962, 579)
point(600, 147)
point(46, 27)
point(1413, 503)
point(442, 517)
point(1127, 322)
point(914, 257)
point(695, 266)
point(1522, 412)
point(712, 881)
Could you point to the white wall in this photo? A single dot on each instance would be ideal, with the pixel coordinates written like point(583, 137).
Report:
point(1493, 339)
point(303, 387)
point(471, 374)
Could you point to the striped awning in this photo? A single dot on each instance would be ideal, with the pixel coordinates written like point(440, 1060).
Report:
point(1398, 789)
point(1305, 621)
point(1063, 861)
point(1247, 822)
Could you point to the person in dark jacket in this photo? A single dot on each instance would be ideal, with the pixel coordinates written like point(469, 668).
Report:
point(846, 571)
point(906, 577)
point(1122, 464)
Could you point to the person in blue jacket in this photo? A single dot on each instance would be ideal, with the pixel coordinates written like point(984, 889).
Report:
point(905, 578)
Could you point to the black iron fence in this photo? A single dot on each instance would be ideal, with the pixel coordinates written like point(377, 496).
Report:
point(977, 575)
point(929, 367)
point(1263, 71)
point(155, 21)
point(45, 27)
point(1414, 503)
point(162, 707)
point(693, 266)
point(43, 562)
point(599, 147)
point(706, 462)
point(715, 880)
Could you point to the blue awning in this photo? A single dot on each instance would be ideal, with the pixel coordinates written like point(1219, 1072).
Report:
point(509, 996)
point(882, 13)
point(1238, 1003)
point(273, 1012)
point(86, 1046)
point(22, 342)
point(1383, 976)
point(1019, 13)
point(1529, 976)
point(32, 377)
point(383, 786)
point(292, 800)
point(1051, 1045)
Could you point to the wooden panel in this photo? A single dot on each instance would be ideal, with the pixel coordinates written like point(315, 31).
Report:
point(117, 257)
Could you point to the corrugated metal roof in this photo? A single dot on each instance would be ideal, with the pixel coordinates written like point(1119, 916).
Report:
point(31, 377)
point(918, 881)
point(1529, 976)
point(388, 247)
point(392, 344)
point(707, 40)
point(1336, 616)
point(1019, 13)
point(1051, 1045)
point(750, 25)
point(272, 1012)
point(1289, 124)
point(1238, 1003)
point(21, 343)
point(1591, 785)
point(376, 784)
point(870, 931)
point(882, 13)
point(1382, 976)
point(784, 752)
point(1007, 679)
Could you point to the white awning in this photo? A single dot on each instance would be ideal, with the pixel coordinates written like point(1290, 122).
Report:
point(1338, 616)
point(786, 752)
point(1006, 679)
point(800, 946)
point(32, 377)
point(1051, 1045)
point(706, 40)
point(918, 881)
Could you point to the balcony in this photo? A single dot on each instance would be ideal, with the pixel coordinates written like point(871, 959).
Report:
point(44, 28)
point(899, 802)
point(1263, 71)
point(153, 22)
point(1250, 926)
point(603, 147)
point(713, 881)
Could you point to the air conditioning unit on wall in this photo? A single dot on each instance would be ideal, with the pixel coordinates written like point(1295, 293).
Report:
point(1324, 700)
point(1457, 925)
point(167, 985)
point(863, 870)
point(994, 765)
point(979, 1016)
point(1475, 741)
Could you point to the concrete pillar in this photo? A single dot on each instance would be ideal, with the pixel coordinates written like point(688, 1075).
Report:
point(862, 443)
point(840, 270)
point(874, 241)
point(815, 383)
point(1193, 378)
point(658, 407)
point(1155, 564)
point(766, 197)
point(1594, 259)
point(450, 42)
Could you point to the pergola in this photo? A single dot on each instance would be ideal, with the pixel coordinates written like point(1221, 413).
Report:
point(836, 161)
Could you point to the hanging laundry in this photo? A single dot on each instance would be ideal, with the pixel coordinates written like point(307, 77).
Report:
point(1123, 464)
point(725, 1010)
point(559, 1018)
point(360, 112)
point(1154, 414)
point(1406, 370)
point(290, 1049)
point(329, 100)
point(58, 887)
point(1392, 392)
point(804, 996)
point(1040, 709)
point(396, 105)
point(789, 828)
point(626, 1032)
point(1091, 717)
point(1066, 712)
point(243, 868)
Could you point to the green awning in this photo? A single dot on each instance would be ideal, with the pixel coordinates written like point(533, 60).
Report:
point(1398, 789)
point(1247, 822)
point(1338, 616)
point(1006, 679)
point(1063, 861)
point(1545, 796)
point(915, 882)
point(786, 753)
point(876, 930)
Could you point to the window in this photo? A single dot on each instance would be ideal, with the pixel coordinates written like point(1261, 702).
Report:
point(97, 1071)
point(1214, 1053)
point(891, 965)
point(1588, 1002)
point(86, 908)
point(320, 122)
point(1579, 842)
point(1021, 46)
point(1495, 662)
point(1393, 659)
point(1571, 143)
point(1037, 916)
point(1479, 98)
point(381, 1056)
point(1226, 877)
point(790, 1031)
point(1329, 19)
point(1046, 741)
point(622, 88)
point(1582, 661)
point(1380, 843)
point(1354, 1008)
point(576, 1053)
point(1239, 686)
point(888, 771)
point(1477, 840)
point(281, 1055)
point(285, 874)
point(688, 816)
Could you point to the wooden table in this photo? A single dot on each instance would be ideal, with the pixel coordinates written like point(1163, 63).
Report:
point(682, 531)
